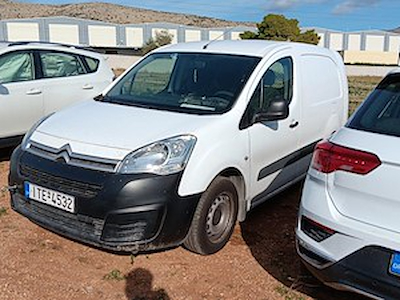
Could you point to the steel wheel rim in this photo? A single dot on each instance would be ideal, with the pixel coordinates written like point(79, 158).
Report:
point(219, 218)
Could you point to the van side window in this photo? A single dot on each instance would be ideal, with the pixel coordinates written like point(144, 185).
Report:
point(277, 82)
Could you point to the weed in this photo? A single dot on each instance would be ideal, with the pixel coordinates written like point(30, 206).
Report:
point(3, 191)
point(3, 211)
point(83, 259)
point(114, 275)
point(133, 257)
point(288, 293)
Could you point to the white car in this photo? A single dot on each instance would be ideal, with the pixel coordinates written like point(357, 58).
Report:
point(182, 145)
point(37, 79)
point(348, 231)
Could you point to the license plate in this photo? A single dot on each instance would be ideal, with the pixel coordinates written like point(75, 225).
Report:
point(394, 267)
point(50, 197)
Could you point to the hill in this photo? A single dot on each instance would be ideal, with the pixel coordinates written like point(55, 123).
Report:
point(107, 12)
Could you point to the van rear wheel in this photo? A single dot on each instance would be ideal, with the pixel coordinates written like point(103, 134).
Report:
point(214, 219)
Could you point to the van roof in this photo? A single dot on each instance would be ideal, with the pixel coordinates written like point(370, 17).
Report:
point(258, 48)
point(396, 70)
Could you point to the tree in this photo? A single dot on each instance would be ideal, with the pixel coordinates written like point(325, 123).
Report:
point(162, 38)
point(279, 28)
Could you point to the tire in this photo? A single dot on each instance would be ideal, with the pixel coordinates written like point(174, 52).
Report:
point(214, 218)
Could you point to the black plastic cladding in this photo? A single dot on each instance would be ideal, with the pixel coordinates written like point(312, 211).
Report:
point(121, 204)
point(365, 270)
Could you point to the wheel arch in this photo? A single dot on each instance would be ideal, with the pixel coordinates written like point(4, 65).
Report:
point(238, 180)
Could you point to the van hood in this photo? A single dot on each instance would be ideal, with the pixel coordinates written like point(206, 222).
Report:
point(107, 125)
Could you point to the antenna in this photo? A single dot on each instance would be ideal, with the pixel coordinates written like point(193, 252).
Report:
point(212, 41)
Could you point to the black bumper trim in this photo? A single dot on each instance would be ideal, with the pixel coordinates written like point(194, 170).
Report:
point(364, 271)
point(127, 213)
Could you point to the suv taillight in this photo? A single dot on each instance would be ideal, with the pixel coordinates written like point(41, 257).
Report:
point(329, 157)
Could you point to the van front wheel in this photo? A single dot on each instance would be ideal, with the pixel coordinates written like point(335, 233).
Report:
point(214, 219)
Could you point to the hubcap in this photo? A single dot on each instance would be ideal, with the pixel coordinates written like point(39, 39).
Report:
point(219, 218)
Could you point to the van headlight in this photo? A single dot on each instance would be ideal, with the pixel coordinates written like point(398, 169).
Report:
point(27, 136)
point(162, 158)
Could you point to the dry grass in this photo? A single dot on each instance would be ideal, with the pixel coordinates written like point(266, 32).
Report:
point(359, 88)
point(118, 71)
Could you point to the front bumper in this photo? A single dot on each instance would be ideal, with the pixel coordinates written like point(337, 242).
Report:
point(118, 212)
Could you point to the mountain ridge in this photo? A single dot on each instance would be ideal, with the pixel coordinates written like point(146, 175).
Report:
point(107, 12)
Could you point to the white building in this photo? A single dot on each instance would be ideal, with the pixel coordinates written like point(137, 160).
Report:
point(360, 47)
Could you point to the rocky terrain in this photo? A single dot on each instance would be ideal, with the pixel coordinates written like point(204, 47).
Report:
point(106, 12)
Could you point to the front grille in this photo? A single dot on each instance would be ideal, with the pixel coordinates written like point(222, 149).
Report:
point(67, 186)
point(61, 220)
point(66, 155)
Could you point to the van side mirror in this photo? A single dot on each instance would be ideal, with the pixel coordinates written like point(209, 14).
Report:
point(277, 110)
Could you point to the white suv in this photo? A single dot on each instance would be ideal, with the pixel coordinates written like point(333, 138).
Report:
point(348, 231)
point(37, 79)
point(182, 145)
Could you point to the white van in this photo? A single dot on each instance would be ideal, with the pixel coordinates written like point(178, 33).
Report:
point(182, 145)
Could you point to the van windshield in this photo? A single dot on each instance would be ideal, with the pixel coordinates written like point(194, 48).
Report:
point(380, 113)
point(185, 82)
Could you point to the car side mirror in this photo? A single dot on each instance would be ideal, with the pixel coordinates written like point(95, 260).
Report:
point(277, 110)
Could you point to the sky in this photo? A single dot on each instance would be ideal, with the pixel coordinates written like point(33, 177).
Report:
point(345, 15)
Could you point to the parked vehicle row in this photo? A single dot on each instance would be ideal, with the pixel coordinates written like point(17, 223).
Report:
point(182, 146)
point(194, 136)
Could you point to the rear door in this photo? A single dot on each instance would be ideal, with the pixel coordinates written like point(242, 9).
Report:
point(21, 96)
point(66, 79)
point(274, 144)
point(323, 99)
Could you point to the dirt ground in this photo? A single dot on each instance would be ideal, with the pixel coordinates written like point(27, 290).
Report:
point(259, 262)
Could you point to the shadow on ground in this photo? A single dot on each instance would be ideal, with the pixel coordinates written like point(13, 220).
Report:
point(269, 233)
point(5, 153)
point(139, 286)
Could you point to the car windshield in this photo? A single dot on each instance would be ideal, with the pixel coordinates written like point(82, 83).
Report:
point(184, 82)
point(380, 113)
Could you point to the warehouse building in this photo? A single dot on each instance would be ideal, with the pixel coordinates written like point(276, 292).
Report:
point(372, 47)
point(99, 34)
point(363, 47)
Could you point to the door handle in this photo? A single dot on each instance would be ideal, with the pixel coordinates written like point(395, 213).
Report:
point(34, 92)
point(294, 124)
point(87, 86)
